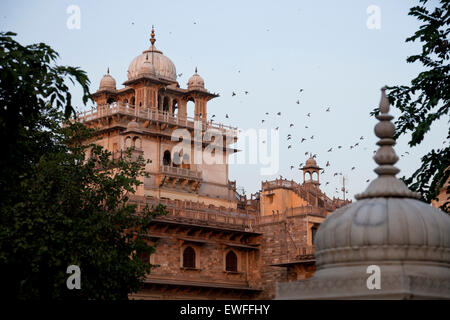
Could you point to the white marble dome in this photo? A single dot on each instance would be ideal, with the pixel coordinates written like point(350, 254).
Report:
point(384, 228)
point(107, 83)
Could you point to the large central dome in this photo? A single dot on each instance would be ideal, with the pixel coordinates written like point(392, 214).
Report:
point(164, 67)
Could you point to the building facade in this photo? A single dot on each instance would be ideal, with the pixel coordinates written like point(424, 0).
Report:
point(214, 243)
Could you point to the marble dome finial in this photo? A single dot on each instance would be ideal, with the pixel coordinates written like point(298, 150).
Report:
point(386, 185)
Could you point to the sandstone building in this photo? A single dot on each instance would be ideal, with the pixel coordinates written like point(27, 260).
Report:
point(214, 243)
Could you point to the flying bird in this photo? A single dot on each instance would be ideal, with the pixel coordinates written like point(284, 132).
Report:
point(233, 94)
point(226, 116)
point(289, 146)
point(180, 74)
point(291, 125)
point(328, 164)
point(297, 102)
point(312, 137)
point(303, 139)
point(309, 114)
point(328, 109)
point(329, 150)
point(278, 113)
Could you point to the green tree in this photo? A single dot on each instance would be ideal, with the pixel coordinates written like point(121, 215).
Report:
point(427, 98)
point(58, 206)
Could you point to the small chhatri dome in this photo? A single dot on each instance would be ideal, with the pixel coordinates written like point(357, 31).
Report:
point(196, 82)
point(163, 66)
point(388, 226)
point(311, 163)
point(133, 125)
point(107, 83)
point(147, 69)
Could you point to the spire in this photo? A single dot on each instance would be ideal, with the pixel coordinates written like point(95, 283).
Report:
point(152, 39)
point(195, 69)
point(386, 185)
point(385, 130)
point(107, 71)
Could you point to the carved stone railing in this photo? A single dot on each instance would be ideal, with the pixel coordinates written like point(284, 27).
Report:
point(150, 114)
point(180, 172)
point(195, 211)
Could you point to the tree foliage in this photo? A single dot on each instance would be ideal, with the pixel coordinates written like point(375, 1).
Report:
point(58, 206)
point(427, 98)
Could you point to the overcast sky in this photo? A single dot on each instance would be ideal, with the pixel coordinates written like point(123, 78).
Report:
point(271, 49)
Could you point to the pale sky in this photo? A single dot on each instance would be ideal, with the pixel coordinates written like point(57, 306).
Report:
point(270, 49)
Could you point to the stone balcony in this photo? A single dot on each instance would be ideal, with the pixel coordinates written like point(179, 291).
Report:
point(180, 178)
point(146, 113)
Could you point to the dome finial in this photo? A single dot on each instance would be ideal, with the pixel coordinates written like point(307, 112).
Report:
point(152, 39)
point(386, 185)
point(385, 130)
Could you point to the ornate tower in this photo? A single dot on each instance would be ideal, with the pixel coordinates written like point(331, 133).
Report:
point(311, 172)
point(146, 113)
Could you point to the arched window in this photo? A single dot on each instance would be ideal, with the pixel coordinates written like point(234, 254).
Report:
point(133, 101)
point(189, 258)
point(166, 158)
point(137, 143)
point(128, 142)
point(190, 108)
point(166, 104)
point(175, 107)
point(231, 262)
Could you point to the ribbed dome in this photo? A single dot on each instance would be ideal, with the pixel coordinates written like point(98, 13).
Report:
point(107, 83)
point(164, 67)
point(196, 82)
point(147, 69)
point(388, 223)
point(384, 229)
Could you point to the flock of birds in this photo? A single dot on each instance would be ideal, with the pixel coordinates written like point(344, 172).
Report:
point(300, 140)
